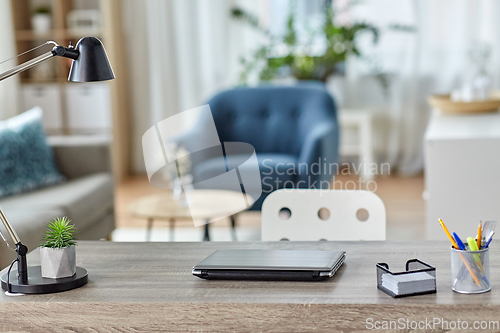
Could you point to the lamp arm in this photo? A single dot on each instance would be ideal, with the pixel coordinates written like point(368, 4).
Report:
point(61, 51)
point(21, 249)
point(26, 65)
point(9, 228)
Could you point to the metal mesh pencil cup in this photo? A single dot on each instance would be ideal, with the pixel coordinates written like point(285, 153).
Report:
point(470, 271)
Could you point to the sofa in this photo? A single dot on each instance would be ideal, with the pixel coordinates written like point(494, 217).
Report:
point(293, 129)
point(86, 196)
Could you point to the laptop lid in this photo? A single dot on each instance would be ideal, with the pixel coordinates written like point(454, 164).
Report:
point(273, 260)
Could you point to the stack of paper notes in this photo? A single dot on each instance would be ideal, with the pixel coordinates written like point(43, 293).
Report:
point(410, 283)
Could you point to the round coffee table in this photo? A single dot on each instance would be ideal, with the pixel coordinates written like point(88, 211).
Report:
point(210, 205)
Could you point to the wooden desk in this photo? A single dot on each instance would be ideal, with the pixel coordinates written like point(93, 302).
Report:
point(149, 286)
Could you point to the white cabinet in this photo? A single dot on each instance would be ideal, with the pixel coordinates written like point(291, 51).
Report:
point(71, 108)
point(462, 172)
point(88, 107)
point(48, 97)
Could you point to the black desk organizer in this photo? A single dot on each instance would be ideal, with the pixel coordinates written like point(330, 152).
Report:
point(412, 266)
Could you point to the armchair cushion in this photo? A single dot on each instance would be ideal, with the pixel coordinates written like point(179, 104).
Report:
point(272, 119)
point(276, 170)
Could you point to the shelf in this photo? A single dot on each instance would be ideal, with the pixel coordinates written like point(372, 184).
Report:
point(80, 33)
point(29, 35)
point(59, 36)
point(61, 33)
point(59, 80)
point(38, 81)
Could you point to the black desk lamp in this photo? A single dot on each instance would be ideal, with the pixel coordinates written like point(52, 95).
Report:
point(90, 63)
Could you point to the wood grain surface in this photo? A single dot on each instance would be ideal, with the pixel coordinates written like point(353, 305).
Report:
point(148, 287)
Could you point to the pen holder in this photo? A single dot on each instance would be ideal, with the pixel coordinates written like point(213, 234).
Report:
point(470, 271)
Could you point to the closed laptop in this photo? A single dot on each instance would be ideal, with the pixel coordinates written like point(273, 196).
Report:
point(253, 264)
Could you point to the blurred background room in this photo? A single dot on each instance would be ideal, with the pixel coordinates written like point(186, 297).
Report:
point(385, 63)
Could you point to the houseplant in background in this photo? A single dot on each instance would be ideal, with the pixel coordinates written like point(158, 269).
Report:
point(288, 55)
point(41, 20)
point(57, 252)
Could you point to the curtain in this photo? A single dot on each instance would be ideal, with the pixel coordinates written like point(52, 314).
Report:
point(434, 59)
point(9, 87)
point(180, 53)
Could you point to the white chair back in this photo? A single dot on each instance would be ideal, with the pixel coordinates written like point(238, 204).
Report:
point(323, 215)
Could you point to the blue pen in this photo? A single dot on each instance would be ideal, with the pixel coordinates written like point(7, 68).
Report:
point(460, 244)
point(490, 238)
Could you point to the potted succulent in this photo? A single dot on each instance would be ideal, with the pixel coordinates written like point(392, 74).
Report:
point(41, 20)
point(57, 252)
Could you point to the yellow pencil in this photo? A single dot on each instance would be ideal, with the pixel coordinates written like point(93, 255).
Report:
point(449, 235)
point(479, 235)
point(454, 244)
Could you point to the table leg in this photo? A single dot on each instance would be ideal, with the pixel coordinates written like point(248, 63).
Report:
point(149, 229)
point(233, 227)
point(206, 237)
point(366, 153)
point(171, 231)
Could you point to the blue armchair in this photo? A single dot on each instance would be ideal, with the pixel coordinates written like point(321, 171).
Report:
point(293, 129)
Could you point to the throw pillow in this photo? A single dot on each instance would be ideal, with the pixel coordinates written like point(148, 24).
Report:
point(26, 161)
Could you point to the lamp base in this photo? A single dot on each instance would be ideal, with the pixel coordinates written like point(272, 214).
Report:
point(40, 285)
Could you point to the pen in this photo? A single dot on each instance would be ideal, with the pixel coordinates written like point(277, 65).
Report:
point(489, 239)
point(479, 235)
point(488, 227)
point(460, 244)
point(488, 242)
point(454, 244)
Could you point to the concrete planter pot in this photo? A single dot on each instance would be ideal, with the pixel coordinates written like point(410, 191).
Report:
point(58, 263)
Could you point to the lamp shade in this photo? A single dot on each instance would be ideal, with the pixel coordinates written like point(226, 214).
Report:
point(92, 63)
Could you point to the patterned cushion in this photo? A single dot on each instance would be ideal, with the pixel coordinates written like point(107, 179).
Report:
point(26, 161)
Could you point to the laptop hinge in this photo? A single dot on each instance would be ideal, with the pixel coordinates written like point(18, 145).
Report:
point(200, 272)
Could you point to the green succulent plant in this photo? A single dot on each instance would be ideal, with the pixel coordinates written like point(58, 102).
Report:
point(60, 234)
